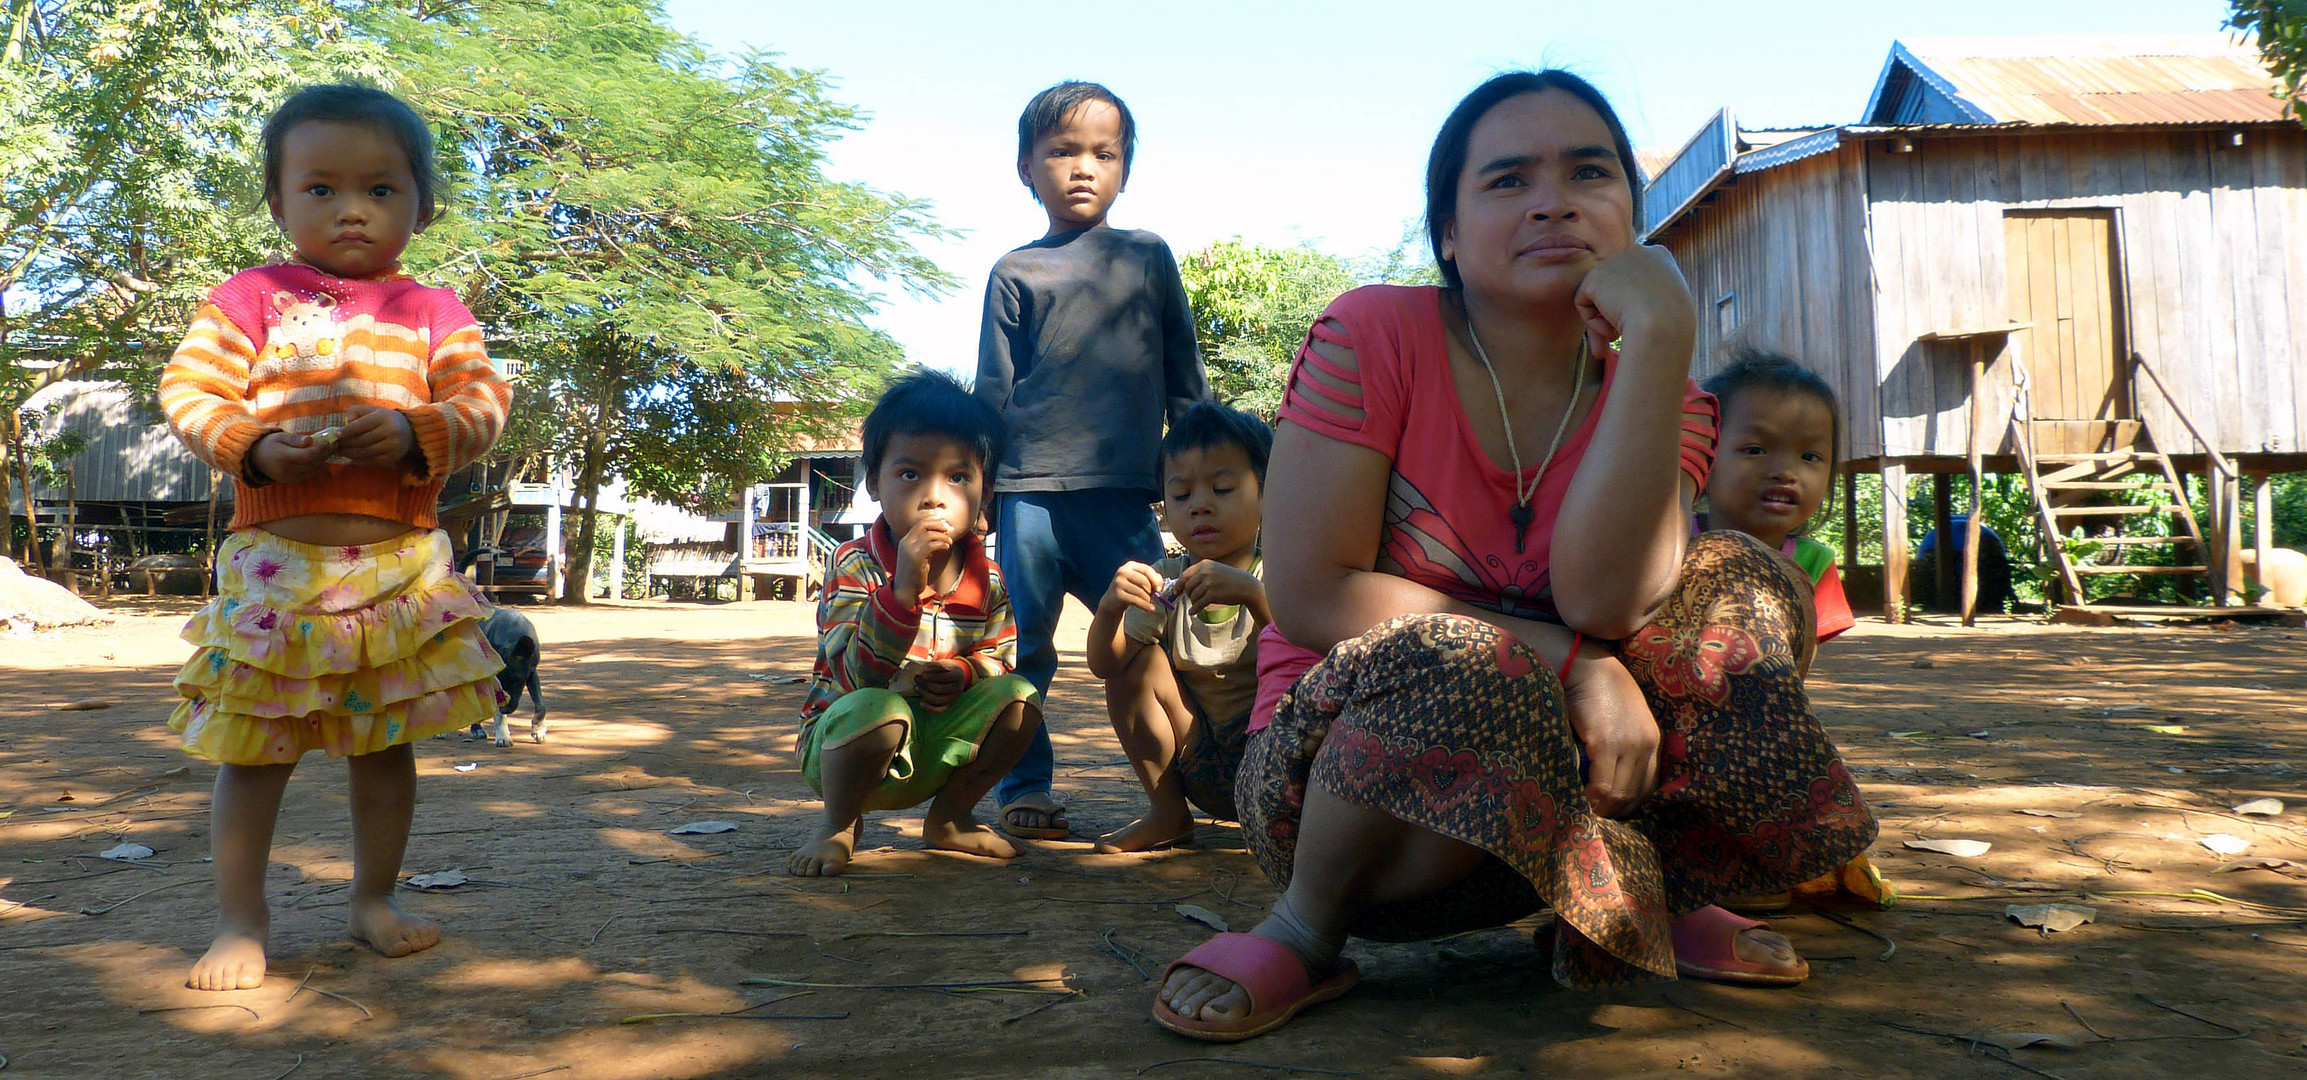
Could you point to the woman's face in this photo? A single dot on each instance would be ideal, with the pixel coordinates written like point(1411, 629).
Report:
point(1542, 199)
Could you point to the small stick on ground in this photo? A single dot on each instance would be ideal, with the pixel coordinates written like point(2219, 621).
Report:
point(1126, 954)
point(1890, 947)
point(2236, 1032)
point(2079, 1019)
point(1050, 1004)
point(935, 933)
point(109, 908)
point(536, 1072)
point(724, 930)
point(1269, 1067)
point(740, 1014)
point(187, 1008)
point(308, 974)
point(1013, 986)
point(596, 938)
point(365, 1014)
point(1972, 1041)
point(1669, 999)
point(299, 1063)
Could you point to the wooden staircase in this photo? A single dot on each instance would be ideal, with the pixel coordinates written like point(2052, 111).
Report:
point(2121, 494)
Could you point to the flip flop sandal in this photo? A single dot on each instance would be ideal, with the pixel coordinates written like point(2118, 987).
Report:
point(1706, 947)
point(1274, 977)
point(1041, 803)
point(1184, 839)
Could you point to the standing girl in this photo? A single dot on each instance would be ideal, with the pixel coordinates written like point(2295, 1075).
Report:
point(340, 395)
point(1773, 471)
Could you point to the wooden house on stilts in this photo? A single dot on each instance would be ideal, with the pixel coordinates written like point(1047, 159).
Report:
point(2081, 259)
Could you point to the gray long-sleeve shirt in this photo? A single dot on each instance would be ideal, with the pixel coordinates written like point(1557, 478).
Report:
point(1088, 344)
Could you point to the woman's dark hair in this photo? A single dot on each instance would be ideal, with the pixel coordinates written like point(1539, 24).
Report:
point(1448, 159)
point(1753, 369)
point(1048, 110)
point(934, 403)
point(1208, 425)
point(348, 103)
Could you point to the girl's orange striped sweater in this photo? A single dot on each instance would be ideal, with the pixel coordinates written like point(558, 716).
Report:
point(289, 348)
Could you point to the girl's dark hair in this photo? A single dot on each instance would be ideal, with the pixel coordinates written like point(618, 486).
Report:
point(1755, 369)
point(934, 403)
point(1208, 425)
point(1448, 159)
point(348, 103)
point(1048, 110)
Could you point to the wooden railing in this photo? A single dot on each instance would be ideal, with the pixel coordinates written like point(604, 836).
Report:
point(2223, 540)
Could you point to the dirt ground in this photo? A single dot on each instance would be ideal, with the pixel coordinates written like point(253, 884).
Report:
point(2128, 745)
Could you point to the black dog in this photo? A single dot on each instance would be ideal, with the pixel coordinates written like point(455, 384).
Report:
point(513, 637)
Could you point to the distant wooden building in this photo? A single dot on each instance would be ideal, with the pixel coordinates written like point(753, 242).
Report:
point(2080, 258)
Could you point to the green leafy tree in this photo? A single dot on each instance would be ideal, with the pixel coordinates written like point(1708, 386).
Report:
point(1252, 305)
point(648, 231)
point(125, 178)
point(2281, 29)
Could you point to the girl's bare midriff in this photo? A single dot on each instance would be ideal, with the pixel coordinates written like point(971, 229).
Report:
point(336, 530)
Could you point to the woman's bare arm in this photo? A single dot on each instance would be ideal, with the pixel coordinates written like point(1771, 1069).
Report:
point(1625, 521)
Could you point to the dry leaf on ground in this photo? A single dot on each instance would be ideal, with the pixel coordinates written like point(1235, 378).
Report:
point(127, 851)
point(2262, 807)
point(1204, 916)
point(1961, 849)
point(703, 828)
point(444, 879)
point(2224, 844)
point(2052, 918)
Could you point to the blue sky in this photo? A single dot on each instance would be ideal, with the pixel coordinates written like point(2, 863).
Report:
point(1290, 123)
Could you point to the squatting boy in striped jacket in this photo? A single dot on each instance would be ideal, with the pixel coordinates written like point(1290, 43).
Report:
point(914, 698)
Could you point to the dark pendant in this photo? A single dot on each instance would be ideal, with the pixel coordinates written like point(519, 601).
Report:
point(1522, 514)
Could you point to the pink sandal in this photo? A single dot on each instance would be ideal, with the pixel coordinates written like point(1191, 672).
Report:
point(1274, 977)
point(1706, 947)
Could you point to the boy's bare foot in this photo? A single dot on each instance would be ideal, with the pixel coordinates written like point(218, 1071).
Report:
point(234, 961)
point(383, 926)
point(825, 854)
point(1148, 833)
point(965, 836)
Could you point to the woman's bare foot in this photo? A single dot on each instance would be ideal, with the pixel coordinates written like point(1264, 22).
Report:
point(966, 836)
point(234, 961)
point(382, 925)
point(1770, 949)
point(826, 853)
point(1196, 994)
point(1149, 833)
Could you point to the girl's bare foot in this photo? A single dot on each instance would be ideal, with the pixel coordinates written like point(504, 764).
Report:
point(966, 836)
point(825, 854)
point(1149, 833)
point(234, 961)
point(1770, 949)
point(381, 925)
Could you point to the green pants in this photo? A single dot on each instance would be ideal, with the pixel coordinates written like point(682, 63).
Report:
point(936, 743)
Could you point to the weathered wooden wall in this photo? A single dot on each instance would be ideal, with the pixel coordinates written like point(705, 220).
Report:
point(1790, 242)
point(2213, 260)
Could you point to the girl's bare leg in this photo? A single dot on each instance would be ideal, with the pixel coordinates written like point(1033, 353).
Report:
point(241, 814)
point(384, 800)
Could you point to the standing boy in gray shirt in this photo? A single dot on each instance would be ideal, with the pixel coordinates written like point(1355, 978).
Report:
point(1088, 345)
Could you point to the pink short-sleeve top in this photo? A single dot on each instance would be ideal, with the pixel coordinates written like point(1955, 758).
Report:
point(1446, 523)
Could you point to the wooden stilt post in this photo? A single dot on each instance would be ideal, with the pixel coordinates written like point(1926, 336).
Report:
point(1946, 573)
point(1849, 522)
point(208, 537)
point(1894, 551)
point(1970, 598)
point(2262, 528)
point(2231, 537)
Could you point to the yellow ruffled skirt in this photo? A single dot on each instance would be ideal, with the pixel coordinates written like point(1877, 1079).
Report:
point(346, 650)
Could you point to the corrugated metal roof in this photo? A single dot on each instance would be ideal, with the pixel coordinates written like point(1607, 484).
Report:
point(126, 460)
point(2116, 79)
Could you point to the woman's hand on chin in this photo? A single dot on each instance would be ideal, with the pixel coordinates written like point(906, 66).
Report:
point(1610, 717)
point(1638, 294)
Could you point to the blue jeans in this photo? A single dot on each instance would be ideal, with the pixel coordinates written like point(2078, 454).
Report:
point(1052, 543)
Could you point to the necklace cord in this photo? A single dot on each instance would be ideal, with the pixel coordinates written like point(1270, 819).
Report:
point(1523, 495)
